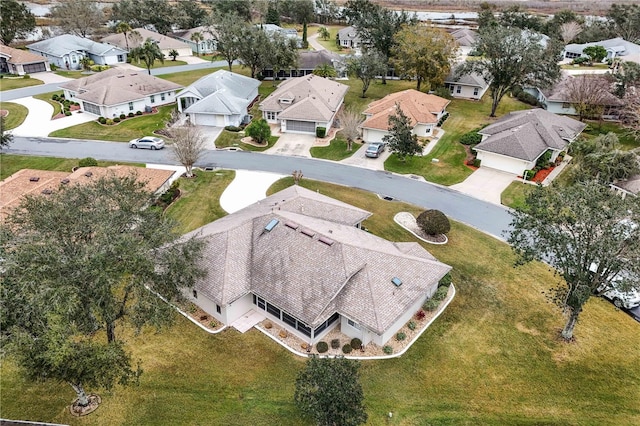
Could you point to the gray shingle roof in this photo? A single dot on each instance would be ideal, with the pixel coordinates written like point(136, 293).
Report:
point(469, 79)
point(464, 36)
point(63, 44)
point(618, 45)
point(562, 90)
point(527, 134)
point(222, 92)
point(315, 98)
point(293, 269)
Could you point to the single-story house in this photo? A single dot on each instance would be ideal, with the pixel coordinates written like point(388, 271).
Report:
point(21, 62)
point(66, 51)
point(300, 259)
point(291, 33)
point(515, 142)
point(307, 62)
point(302, 104)
point(221, 98)
point(626, 187)
point(205, 46)
point(424, 112)
point(165, 43)
point(466, 86)
point(465, 38)
point(348, 38)
point(615, 47)
point(560, 97)
point(119, 91)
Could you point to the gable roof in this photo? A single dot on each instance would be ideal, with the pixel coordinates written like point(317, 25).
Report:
point(222, 92)
point(314, 98)
point(313, 265)
point(418, 106)
point(617, 45)
point(631, 185)
point(562, 90)
point(310, 59)
point(63, 44)
point(19, 56)
point(116, 85)
point(348, 33)
point(163, 41)
point(527, 134)
point(208, 33)
point(469, 79)
point(464, 36)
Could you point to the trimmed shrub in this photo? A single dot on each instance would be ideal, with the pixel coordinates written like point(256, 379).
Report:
point(527, 98)
point(529, 174)
point(420, 315)
point(67, 113)
point(431, 305)
point(400, 336)
point(131, 115)
point(471, 138)
point(102, 120)
point(122, 116)
point(441, 293)
point(443, 119)
point(259, 131)
point(346, 349)
point(443, 92)
point(232, 128)
point(213, 324)
point(356, 343)
point(335, 343)
point(322, 347)
point(433, 222)
point(445, 281)
point(387, 349)
point(53, 67)
point(477, 162)
point(580, 60)
point(54, 97)
point(138, 112)
point(88, 162)
point(321, 132)
point(116, 120)
point(412, 325)
point(26, 76)
point(109, 122)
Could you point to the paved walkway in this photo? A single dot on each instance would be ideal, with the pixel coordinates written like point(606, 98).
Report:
point(39, 123)
point(247, 188)
point(486, 184)
point(313, 42)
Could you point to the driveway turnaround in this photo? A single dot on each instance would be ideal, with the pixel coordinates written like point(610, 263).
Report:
point(247, 188)
point(486, 184)
point(39, 123)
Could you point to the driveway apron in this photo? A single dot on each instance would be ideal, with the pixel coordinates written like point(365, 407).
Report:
point(485, 184)
point(293, 144)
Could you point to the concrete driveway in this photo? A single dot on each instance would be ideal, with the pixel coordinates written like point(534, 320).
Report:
point(360, 160)
point(210, 133)
point(50, 77)
point(39, 123)
point(293, 144)
point(485, 184)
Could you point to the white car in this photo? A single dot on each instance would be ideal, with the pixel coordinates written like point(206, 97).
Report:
point(622, 299)
point(149, 142)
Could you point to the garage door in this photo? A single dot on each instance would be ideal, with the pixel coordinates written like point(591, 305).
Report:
point(301, 126)
point(31, 68)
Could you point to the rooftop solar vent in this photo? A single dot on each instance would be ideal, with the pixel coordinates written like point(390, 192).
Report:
point(292, 225)
point(326, 241)
point(47, 191)
point(396, 281)
point(34, 179)
point(88, 174)
point(271, 225)
point(308, 232)
point(64, 181)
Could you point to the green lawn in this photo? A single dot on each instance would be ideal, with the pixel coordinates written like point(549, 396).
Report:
point(188, 77)
point(464, 116)
point(71, 73)
point(585, 67)
point(124, 131)
point(17, 114)
point(492, 358)
point(9, 164)
point(515, 194)
point(336, 151)
point(47, 98)
point(330, 43)
point(10, 83)
point(596, 128)
point(158, 64)
point(229, 139)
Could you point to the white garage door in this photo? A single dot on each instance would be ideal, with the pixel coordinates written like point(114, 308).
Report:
point(506, 164)
point(208, 120)
point(301, 126)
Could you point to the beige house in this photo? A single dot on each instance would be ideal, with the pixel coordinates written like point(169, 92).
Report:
point(302, 104)
point(424, 112)
point(165, 43)
point(118, 91)
point(21, 62)
point(300, 259)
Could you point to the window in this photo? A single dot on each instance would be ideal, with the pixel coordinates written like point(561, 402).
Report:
point(74, 59)
point(91, 108)
point(476, 91)
point(566, 105)
point(218, 309)
point(458, 89)
point(353, 324)
point(288, 319)
point(273, 310)
point(195, 294)
point(120, 58)
point(153, 98)
point(304, 329)
point(259, 302)
point(162, 96)
point(130, 106)
point(271, 115)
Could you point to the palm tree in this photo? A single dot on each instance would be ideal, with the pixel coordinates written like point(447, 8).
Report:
point(197, 37)
point(5, 137)
point(124, 28)
point(325, 70)
point(148, 53)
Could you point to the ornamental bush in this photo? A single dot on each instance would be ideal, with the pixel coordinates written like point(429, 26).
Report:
point(445, 281)
point(321, 132)
point(335, 343)
point(471, 138)
point(433, 222)
point(88, 162)
point(116, 120)
point(431, 305)
point(412, 325)
point(356, 343)
point(122, 116)
point(441, 293)
point(138, 112)
point(322, 347)
point(67, 113)
point(400, 336)
point(109, 122)
point(259, 131)
point(387, 349)
point(346, 349)
point(102, 120)
point(131, 115)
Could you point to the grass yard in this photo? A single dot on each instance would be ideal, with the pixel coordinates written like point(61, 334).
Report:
point(71, 73)
point(464, 116)
point(336, 151)
point(330, 43)
point(124, 131)
point(17, 114)
point(9, 164)
point(10, 83)
point(585, 67)
point(493, 357)
point(47, 98)
point(596, 128)
point(159, 64)
point(229, 139)
point(515, 194)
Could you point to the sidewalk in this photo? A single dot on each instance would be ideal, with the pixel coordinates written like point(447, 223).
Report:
point(39, 123)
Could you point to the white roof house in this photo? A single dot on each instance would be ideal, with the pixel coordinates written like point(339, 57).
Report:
point(615, 47)
point(222, 98)
point(66, 51)
point(165, 43)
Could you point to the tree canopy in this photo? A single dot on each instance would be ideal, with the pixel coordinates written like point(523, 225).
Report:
point(188, 145)
point(366, 67)
point(148, 53)
point(16, 21)
point(229, 36)
point(401, 139)
point(78, 17)
point(588, 234)
point(6, 137)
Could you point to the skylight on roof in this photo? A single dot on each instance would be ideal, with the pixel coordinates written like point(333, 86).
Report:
point(271, 225)
point(396, 281)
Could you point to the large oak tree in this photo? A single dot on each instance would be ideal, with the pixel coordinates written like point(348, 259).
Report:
point(16, 21)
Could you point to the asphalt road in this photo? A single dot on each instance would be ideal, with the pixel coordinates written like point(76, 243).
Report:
point(487, 217)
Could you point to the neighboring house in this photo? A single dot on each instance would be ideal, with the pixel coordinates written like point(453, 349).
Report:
point(300, 259)
point(118, 91)
point(615, 47)
point(558, 98)
point(206, 46)
point(291, 33)
point(222, 98)
point(307, 62)
point(466, 86)
point(34, 182)
point(302, 104)
point(66, 51)
point(465, 38)
point(424, 112)
point(165, 43)
point(348, 38)
point(626, 187)
point(21, 62)
point(515, 142)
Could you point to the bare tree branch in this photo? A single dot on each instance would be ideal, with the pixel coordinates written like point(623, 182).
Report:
point(188, 145)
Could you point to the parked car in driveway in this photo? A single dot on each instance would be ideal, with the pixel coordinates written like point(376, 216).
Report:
point(149, 142)
point(374, 150)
